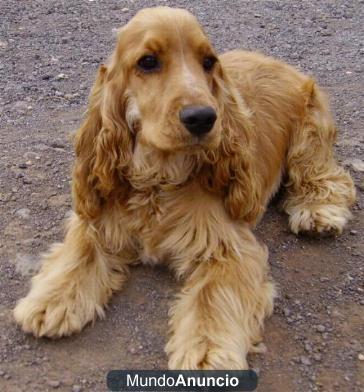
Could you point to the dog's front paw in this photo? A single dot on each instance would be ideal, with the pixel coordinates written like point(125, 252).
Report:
point(53, 318)
point(204, 355)
point(328, 218)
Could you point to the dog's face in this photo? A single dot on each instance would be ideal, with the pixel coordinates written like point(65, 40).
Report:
point(168, 68)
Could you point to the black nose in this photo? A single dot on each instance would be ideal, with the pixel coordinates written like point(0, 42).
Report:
point(198, 119)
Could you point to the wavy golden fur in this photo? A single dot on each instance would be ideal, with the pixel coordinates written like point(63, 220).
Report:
point(145, 188)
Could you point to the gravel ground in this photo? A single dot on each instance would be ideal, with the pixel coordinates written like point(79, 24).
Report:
point(49, 52)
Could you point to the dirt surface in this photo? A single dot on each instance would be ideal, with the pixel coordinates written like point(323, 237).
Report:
point(49, 52)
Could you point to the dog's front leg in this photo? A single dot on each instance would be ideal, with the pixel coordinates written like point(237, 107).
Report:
point(218, 317)
point(75, 282)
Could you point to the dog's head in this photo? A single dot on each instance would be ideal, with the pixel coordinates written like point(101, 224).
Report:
point(167, 69)
point(164, 88)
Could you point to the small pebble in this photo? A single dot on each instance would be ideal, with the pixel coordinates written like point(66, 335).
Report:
point(287, 312)
point(305, 360)
point(320, 328)
point(61, 76)
point(317, 357)
point(323, 279)
point(23, 213)
point(57, 145)
point(71, 96)
point(361, 357)
point(53, 383)
point(76, 388)
point(308, 347)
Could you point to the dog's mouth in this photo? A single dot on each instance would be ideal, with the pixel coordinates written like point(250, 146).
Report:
point(203, 141)
point(188, 142)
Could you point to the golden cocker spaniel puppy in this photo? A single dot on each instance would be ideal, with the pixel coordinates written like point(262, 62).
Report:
point(177, 158)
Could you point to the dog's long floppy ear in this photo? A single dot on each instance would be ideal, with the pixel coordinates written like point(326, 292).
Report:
point(103, 145)
point(231, 171)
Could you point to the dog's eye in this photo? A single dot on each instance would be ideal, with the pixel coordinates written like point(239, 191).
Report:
point(149, 63)
point(208, 63)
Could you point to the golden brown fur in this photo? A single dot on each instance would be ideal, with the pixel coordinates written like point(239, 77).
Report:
point(146, 189)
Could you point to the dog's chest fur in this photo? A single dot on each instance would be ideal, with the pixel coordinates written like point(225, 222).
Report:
point(157, 203)
point(149, 213)
point(171, 223)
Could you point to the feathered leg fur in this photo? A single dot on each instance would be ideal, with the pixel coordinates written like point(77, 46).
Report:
point(218, 317)
point(320, 192)
point(76, 280)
